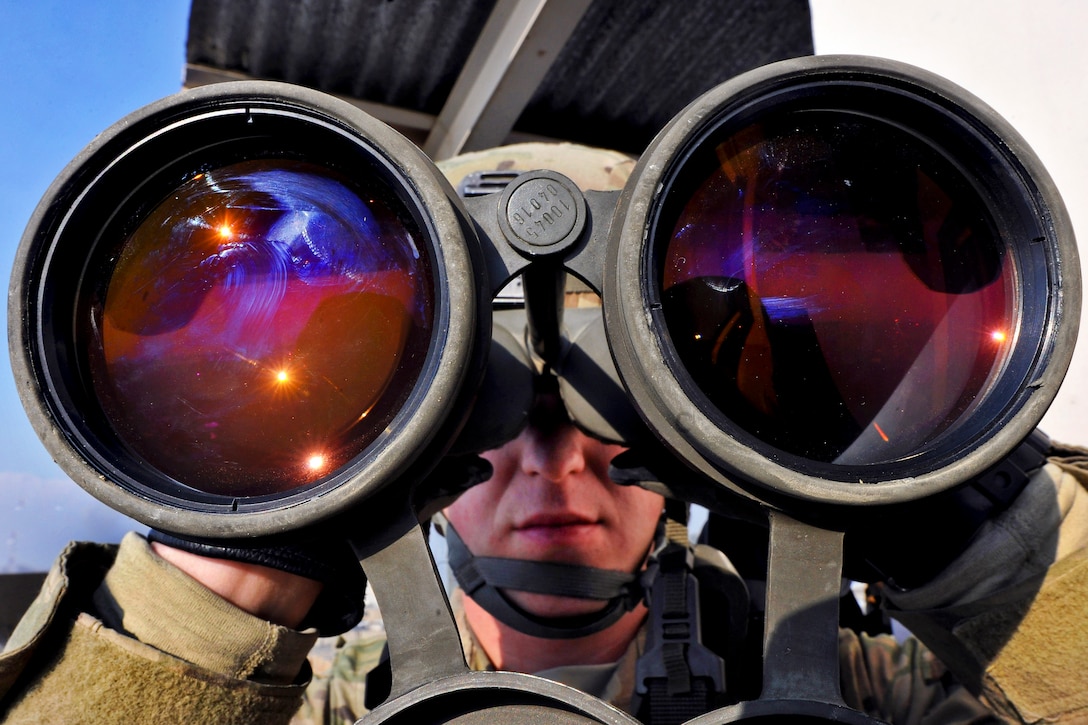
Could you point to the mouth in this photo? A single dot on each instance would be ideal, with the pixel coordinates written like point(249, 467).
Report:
point(554, 521)
point(556, 530)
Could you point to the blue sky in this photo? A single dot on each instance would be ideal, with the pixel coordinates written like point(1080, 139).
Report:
point(69, 70)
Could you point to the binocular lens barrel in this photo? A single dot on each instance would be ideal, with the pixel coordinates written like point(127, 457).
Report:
point(851, 271)
point(835, 286)
point(244, 309)
point(251, 337)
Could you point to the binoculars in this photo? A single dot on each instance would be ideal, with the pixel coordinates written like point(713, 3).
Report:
point(831, 285)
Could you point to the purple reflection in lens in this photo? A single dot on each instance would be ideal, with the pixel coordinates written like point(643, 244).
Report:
point(835, 287)
point(261, 327)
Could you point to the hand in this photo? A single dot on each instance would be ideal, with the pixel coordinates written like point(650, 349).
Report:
point(272, 594)
point(315, 582)
point(911, 544)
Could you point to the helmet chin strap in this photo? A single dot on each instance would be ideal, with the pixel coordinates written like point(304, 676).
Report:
point(483, 577)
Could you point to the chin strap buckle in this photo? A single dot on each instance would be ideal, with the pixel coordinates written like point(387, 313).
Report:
point(677, 677)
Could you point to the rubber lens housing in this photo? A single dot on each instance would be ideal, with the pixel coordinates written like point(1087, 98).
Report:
point(841, 280)
point(246, 301)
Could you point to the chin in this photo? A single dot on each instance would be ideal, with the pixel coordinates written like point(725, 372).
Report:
point(547, 605)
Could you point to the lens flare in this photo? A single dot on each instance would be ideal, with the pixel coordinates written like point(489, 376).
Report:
point(261, 307)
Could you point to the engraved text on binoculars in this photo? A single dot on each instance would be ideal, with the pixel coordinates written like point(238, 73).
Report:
point(539, 212)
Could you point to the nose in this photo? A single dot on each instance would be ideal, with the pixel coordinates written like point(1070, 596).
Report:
point(552, 447)
point(554, 454)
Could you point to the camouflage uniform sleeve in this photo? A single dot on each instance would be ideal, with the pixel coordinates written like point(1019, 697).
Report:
point(336, 694)
point(904, 684)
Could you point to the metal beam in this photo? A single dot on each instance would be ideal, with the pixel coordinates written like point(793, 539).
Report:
point(517, 46)
point(413, 124)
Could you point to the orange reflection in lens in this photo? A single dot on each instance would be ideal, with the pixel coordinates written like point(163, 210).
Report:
point(254, 321)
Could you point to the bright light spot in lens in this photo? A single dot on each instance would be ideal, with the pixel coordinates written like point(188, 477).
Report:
point(998, 336)
point(316, 462)
point(225, 232)
point(282, 376)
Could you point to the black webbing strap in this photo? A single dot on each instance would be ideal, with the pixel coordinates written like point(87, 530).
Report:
point(662, 708)
point(568, 580)
point(482, 578)
point(677, 622)
point(677, 676)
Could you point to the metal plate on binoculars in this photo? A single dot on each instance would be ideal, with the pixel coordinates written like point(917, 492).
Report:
point(493, 697)
point(784, 712)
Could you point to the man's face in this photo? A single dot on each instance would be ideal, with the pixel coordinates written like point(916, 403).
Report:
point(550, 499)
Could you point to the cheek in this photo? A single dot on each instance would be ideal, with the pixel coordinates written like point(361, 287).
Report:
point(504, 463)
point(468, 514)
point(640, 510)
point(636, 510)
point(600, 457)
point(476, 512)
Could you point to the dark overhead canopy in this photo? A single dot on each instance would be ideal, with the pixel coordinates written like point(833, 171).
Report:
point(457, 75)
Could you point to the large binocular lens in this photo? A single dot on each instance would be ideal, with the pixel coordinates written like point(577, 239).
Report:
point(852, 274)
point(257, 328)
point(835, 286)
point(240, 296)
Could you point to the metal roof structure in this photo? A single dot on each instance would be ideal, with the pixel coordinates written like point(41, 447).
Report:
point(461, 75)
